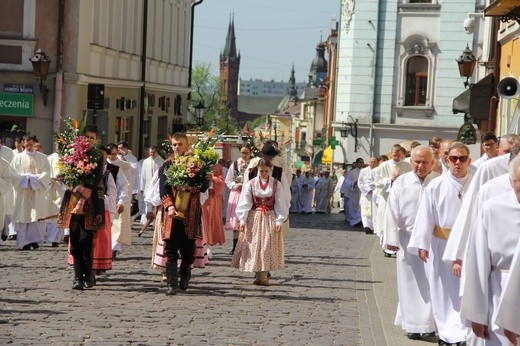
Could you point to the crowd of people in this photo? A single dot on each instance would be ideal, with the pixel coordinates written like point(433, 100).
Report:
point(452, 224)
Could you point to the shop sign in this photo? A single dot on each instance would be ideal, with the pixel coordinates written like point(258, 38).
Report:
point(19, 88)
point(16, 104)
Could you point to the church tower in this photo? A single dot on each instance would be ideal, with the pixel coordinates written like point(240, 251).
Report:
point(229, 67)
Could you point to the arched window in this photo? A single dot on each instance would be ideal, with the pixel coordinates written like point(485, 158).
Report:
point(416, 81)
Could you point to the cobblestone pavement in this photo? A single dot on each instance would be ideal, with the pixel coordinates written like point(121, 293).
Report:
point(325, 296)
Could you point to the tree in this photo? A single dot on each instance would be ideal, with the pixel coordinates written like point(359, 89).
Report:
point(206, 88)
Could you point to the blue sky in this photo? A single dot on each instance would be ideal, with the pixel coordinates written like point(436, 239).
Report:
point(271, 35)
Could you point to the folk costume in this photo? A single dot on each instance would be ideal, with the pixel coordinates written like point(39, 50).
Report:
point(261, 208)
point(234, 181)
point(31, 178)
point(440, 204)
point(84, 226)
point(489, 256)
point(179, 235)
point(414, 310)
point(212, 209)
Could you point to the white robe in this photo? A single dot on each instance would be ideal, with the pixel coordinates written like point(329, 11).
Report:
point(31, 178)
point(353, 194)
point(306, 193)
point(383, 182)
point(508, 312)
point(295, 191)
point(456, 246)
point(5, 186)
point(54, 198)
point(337, 190)
point(439, 207)
point(149, 167)
point(324, 190)
point(367, 204)
point(489, 256)
point(414, 310)
point(7, 154)
point(121, 225)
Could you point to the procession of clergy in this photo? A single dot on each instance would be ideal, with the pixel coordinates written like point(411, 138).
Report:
point(453, 224)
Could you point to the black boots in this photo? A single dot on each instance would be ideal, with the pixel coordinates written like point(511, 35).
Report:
point(185, 274)
point(235, 241)
point(78, 276)
point(90, 279)
point(172, 278)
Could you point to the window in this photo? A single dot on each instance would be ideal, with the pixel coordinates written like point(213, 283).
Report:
point(416, 81)
point(162, 129)
point(146, 131)
point(124, 130)
point(420, 1)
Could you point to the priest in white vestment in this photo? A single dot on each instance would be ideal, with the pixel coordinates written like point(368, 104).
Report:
point(5, 186)
point(441, 201)
point(306, 193)
point(31, 178)
point(121, 221)
point(508, 311)
point(367, 187)
point(351, 185)
point(148, 168)
point(384, 176)
point(490, 169)
point(324, 191)
point(489, 256)
point(7, 227)
point(295, 191)
point(414, 310)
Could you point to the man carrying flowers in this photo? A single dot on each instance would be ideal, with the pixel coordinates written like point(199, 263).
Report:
point(81, 170)
point(182, 180)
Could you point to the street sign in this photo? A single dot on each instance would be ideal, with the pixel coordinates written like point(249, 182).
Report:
point(16, 104)
point(333, 142)
point(317, 142)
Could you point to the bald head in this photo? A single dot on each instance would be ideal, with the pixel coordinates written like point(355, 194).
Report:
point(422, 160)
point(507, 142)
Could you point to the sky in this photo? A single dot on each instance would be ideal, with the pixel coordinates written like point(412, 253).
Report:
point(271, 35)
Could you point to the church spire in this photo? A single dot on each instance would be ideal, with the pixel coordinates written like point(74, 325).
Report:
point(230, 49)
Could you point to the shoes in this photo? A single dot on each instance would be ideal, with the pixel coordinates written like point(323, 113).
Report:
point(55, 244)
point(34, 246)
point(4, 237)
point(413, 336)
point(443, 343)
point(341, 211)
point(26, 247)
point(12, 237)
point(427, 335)
point(78, 285)
point(359, 224)
point(368, 230)
point(387, 254)
point(114, 255)
point(261, 282)
point(66, 239)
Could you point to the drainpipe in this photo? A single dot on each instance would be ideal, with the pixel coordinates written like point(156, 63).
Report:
point(493, 104)
point(371, 131)
point(191, 42)
point(143, 80)
point(58, 91)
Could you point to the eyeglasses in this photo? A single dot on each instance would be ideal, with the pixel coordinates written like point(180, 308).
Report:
point(454, 159)
point(244, 152)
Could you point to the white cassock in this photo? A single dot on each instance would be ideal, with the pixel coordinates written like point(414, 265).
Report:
point(354, 212)
point(489, 256)
point(121, 229)
point(437, 212)
point(31, 178)
point(337, 190)
point(414, 310)
point(5, 186)
point(508, 312)
point(8, 226)
point(383, 182)
point(121, 223)
point(54, 198)
point(366, 202)
point(136, 170)
point(306, 192)
point(324, 190)
point(148, 168)
point(490, 169)
point(477, 163)
point(295, 191)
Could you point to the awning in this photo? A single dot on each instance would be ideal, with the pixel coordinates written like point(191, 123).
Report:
point(327, 156)
point(475, 100)
point(461, 102)
point(317, 158)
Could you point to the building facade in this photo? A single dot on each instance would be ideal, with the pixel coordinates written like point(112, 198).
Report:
point(261, 88)
point(396, 72)
point(97, 47)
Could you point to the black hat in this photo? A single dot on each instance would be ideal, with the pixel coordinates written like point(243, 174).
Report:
point(268, 150)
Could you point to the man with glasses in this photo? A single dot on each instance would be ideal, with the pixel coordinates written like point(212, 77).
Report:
point(489, 145)
point(441, 201)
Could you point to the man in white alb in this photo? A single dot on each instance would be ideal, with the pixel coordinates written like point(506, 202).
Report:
point(438, 209)
point(366, 186)
point(414, 310)
point(148, 168)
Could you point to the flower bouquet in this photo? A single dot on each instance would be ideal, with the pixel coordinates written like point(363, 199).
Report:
point(79, 158)
point(191, 172)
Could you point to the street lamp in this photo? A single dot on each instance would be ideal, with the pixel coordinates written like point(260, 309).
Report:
point(40, 62)
point(466, 64)
point(199, 112)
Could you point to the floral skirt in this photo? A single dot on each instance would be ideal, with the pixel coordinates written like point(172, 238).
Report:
point(232, 221)
point(260, 247)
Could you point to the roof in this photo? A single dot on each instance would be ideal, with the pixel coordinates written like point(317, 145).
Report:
point(258, 105)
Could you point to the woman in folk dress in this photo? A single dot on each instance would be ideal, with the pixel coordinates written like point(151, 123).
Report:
point(234, 180)
point(261, 212)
